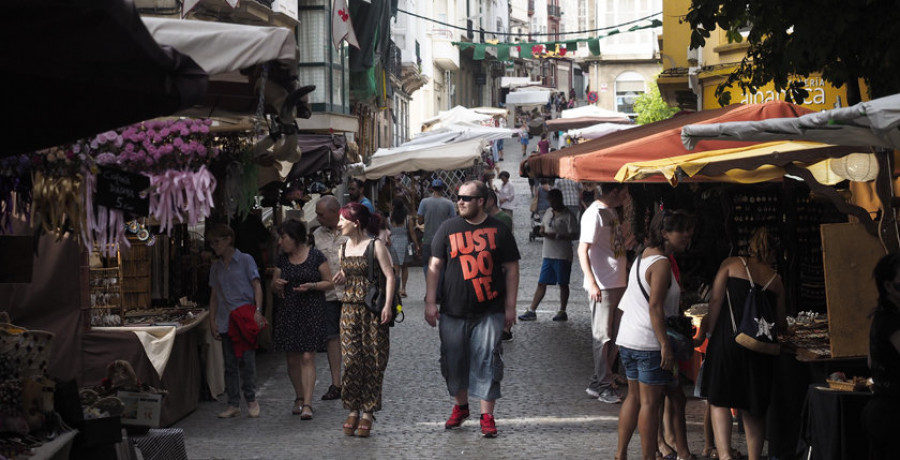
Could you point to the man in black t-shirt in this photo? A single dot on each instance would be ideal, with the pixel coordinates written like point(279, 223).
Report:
point(480, 263)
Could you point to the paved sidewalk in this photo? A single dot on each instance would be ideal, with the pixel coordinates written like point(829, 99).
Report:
point(544, 411)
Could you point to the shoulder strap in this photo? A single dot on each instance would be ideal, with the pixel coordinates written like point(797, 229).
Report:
point(730, 310)
point(770, 281)
point(370, 255)
point(638, 274)
point(746, 267)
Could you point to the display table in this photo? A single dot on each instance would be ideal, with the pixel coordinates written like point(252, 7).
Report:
point(182, 376)
point(793, 378)
point(57, 449)
point(161, 444)
point(831, 424)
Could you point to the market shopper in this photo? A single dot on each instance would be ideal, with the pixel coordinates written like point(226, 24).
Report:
point(365, 336)
point(601, 252)
point(558, 229)
point(880, 413)
point(234, 284)
point(652, 295)
point(327, 238)
point(506, 194)
point(356, 193)
point(301, 278)
point(433, 211)
point(403, 237)
point(733, 376)
point(479, 287)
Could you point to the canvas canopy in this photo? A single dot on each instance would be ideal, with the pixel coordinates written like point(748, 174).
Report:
point(597, 130)
point(746, 165)
point(594, 111)
point(600, 159)
point(458, 114)
point(532, 97)
point(875, 123)
point(426, 157)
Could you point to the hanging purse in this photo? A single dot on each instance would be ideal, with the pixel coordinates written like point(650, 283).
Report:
point(377, 288)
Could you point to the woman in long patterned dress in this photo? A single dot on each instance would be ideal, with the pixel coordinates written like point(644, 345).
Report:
point(365, 337)
point(301, 278)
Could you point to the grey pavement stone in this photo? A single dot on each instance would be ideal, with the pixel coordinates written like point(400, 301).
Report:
point(544, 411)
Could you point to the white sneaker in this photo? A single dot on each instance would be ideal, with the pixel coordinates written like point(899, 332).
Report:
point(609, 396)
point(592, 392)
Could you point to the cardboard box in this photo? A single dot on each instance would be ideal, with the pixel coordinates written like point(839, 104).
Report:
point(141, 409)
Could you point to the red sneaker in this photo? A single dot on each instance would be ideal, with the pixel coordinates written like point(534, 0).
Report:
point(488, 427)
point(457, 417)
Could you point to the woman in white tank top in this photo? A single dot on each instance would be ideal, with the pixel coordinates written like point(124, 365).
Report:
point(652, 295)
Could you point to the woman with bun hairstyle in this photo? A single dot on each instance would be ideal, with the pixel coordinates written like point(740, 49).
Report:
point(365, 338)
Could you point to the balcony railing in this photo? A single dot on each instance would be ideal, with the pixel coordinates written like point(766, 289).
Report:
point(553, 10)
point(396, 57)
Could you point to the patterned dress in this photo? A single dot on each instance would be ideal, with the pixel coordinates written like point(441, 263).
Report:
point(300, 320)
point(365, 343)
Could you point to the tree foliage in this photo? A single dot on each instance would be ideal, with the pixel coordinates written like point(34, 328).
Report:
point(651, 107)
point(844, 40)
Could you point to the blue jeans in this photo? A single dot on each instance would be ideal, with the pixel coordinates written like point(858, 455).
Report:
point(471, 354)
point(644, 366)
point(240, 373)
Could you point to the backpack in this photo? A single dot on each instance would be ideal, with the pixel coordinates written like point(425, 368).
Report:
point(757, 330)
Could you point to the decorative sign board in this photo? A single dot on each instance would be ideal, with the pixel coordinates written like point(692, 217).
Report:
point(123, 190)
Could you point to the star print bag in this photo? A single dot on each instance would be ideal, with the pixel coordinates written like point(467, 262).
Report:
point(757, 330)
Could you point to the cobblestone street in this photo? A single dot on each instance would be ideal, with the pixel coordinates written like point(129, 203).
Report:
point(544, 411)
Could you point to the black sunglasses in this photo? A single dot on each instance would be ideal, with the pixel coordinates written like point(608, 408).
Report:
point(468, 198)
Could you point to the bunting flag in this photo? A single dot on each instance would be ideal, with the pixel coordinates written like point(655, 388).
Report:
point(341, 25)
point(548, 49)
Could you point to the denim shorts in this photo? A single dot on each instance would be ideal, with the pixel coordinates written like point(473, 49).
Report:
point(471, 354)
point(555, 271)
point(644, 366)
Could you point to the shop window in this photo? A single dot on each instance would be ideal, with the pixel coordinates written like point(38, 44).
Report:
point(629, 85)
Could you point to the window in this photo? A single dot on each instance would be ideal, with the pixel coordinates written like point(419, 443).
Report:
point(320, 63)
point(629, 85)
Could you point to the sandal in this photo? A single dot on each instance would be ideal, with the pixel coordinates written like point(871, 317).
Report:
point(402, 293)
point(298, 406)
point(350, 424)
point(710, 452)
point(365, 427)
point(304, 415)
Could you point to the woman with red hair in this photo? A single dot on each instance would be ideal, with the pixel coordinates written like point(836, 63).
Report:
point(365, 337)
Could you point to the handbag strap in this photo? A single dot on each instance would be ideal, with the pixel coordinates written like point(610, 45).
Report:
point(370, 255)
point(638, 274)
point(731, 311)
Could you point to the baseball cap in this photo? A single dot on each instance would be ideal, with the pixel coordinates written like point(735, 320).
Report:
point(437, 183)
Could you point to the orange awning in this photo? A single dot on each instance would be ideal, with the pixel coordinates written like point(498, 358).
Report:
point(599, 160)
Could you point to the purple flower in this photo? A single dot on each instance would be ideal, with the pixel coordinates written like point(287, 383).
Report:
point(185, 132)
point(129, 147)
point(76, 148)
point(204, 129)
point(201, 149)
point(164, 132)
point(195, 128)
point(106, 158)
point(157, 139)
point(94, 144)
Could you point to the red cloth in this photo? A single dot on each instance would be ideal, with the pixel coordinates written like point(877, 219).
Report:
point(243, 330)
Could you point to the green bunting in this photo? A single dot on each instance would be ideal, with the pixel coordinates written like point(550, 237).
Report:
point(525, 49)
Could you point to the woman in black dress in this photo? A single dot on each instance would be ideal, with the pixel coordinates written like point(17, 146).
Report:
point(733, 376)
point(301, 279)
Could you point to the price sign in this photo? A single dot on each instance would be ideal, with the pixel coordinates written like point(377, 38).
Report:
point(123, 190)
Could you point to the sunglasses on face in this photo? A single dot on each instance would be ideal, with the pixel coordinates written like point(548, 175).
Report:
point(468, 198)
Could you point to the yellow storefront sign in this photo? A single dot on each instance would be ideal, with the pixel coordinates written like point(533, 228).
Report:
point(822, 95)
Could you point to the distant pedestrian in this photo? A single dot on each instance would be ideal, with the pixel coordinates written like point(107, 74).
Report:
point(403, 237)
point(558, 228)
point(601, 252)
point(433, 211)
point(524, 138)
point(355, 190)
point(479, 260)
point(571, 191)
point(506, 194)
point(544, 144)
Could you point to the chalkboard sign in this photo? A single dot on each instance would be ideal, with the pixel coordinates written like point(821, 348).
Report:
point(123, 190)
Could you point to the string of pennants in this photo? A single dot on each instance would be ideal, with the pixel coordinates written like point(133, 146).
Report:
point(531, 50)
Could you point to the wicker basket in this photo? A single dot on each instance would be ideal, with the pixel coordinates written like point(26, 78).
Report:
point(850, 385)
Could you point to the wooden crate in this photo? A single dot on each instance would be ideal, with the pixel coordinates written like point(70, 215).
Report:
point(135, 265)
point(849, 255)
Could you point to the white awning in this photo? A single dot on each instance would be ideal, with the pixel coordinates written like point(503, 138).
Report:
point(528, 97)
